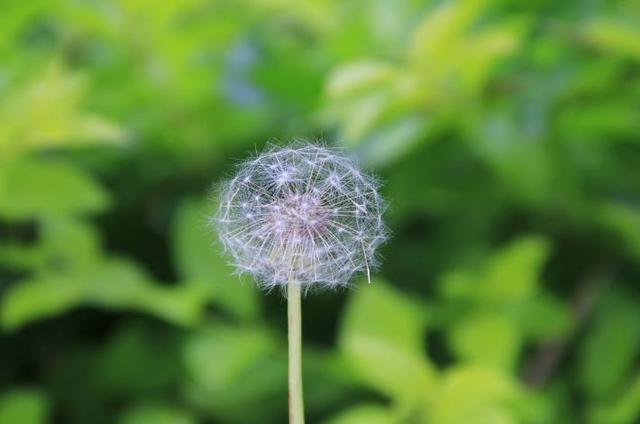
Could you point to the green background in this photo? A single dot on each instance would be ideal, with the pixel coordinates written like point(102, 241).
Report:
point(507, 134)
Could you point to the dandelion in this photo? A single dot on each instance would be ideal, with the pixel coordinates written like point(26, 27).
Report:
point(301, 217)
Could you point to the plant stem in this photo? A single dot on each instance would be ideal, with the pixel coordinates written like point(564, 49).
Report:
point(296, 403)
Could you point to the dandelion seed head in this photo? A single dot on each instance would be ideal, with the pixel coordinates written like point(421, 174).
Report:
point(304, 214)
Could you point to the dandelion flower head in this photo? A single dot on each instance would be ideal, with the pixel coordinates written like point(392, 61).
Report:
point(303, 214)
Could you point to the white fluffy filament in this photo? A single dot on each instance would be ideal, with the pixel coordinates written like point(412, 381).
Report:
point(304, 214)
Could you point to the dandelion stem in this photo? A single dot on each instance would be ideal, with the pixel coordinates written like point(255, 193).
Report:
point(296, 403)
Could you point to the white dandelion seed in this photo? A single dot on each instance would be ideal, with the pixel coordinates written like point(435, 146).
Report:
point(304, 214)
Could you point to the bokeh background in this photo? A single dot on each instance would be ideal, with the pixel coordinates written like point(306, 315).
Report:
point(507, 134)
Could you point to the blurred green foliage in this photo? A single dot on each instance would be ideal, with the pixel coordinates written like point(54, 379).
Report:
point(508, 135)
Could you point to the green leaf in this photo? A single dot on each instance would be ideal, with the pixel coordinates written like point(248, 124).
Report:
point(392, 140)
point(509, 276)
point(199, 257)
point(113, 284)
point(543, 318)
point(365, 414)
point(382, 337)
point(156, 414)
point(439, 33)
point(513, 274)
point(608, 353)
point(36, 188)
point(328, 379)
point(620, 409)
point(14, 18)
point(64, 243)
point(121, 284)
point(361, 115)
point(373, 102)
point(623, 222)
point(68, 243)
point(232, 367)
point(37, 299)
point(48, 112)
point(452, 57)
point(358, 77)
point(615, 37)
point(24, 406)
point(489, 339)
point(128, 365)
point(481, 51)
point(474, 394)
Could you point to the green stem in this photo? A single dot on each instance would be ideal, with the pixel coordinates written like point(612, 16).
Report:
point(296, 403)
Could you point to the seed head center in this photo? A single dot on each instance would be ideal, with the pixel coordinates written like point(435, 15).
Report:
point(299, 213)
